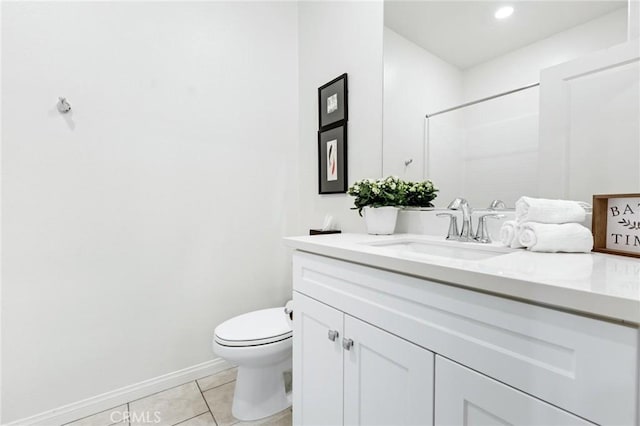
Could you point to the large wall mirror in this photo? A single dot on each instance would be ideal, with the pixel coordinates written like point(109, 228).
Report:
point(462, 92)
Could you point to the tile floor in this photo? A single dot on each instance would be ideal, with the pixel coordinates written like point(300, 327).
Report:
point(204, 402)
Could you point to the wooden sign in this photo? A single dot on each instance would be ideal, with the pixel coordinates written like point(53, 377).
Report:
point(616, 224)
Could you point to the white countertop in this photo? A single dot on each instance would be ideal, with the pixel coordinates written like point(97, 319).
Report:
point(594, 284)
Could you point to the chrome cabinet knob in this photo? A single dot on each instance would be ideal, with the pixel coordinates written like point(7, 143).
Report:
point(347, 344)
point(333, 335)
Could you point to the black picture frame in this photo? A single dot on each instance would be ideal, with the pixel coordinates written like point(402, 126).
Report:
point(333, 102)
point(334, 137)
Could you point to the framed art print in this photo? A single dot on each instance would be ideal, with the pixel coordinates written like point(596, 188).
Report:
point(332, 102)
point(332, 160)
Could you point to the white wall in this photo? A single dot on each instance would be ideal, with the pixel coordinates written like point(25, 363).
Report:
point(522, 66)
point(416, 82)
point(633, 30)
point(501, 148)
point(338, 37)
point(154, 211)
point(486, 151)
point(589, 127)
point(1, 376)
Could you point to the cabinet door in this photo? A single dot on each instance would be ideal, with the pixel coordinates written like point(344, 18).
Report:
point(387, 380)
point(317, 363)
point(467, 398)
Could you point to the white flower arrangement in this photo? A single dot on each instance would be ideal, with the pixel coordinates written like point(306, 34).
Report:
point(392, 191)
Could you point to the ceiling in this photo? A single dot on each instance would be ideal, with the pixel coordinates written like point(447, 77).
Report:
point(465, 33)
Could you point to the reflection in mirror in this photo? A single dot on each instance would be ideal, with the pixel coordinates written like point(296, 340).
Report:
point(439, 55)
point(493, 144)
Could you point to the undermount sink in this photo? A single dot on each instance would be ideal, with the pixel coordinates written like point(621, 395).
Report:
point(446, 249)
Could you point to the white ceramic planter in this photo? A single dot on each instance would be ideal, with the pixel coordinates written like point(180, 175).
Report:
point(380, 220)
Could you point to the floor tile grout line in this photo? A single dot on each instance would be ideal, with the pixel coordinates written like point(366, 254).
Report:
point(207, 403)
point(217, 386)
point(216, 374)
point(91, 415)
point(156, 393)
point(202, 391)
point(190, 418)
point(174, 387)
point(126, 408)
point(221, 384)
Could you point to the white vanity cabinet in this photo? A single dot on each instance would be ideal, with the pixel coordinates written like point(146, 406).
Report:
point(467, 398)
point(348, 371)
point(495, 360)
point(317, 363)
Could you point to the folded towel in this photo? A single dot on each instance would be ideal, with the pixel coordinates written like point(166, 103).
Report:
point(510, 233)
point(548, 211)
point(552, 238)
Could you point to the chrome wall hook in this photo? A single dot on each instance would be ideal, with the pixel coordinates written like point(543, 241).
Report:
point(63, 106)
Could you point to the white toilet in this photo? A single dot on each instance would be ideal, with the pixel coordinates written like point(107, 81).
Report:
point(259, 343)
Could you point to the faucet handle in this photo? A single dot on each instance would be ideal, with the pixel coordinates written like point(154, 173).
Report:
point(453, 233)
point(497, 205)
point(458, 204)
point(482, 233)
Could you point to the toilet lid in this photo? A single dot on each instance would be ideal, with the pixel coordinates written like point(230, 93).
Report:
point(254, 328)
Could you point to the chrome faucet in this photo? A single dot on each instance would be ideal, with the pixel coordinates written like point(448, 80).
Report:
point(497, 205)
point(482, 234)
point(466, 234)
point(452, 233)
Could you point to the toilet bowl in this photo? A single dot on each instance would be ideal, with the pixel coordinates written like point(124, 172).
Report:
point(259, 343)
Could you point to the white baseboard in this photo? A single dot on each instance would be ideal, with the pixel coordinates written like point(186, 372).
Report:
point(105, 401)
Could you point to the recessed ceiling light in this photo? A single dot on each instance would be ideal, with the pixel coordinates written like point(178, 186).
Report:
point(504, 12)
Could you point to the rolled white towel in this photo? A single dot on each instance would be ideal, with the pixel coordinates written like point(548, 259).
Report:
point(553, 238)
point(510, 233)
point(548, 211)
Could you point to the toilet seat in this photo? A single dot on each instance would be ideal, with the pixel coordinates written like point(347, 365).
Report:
point(259, 343)
point(254, 328)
